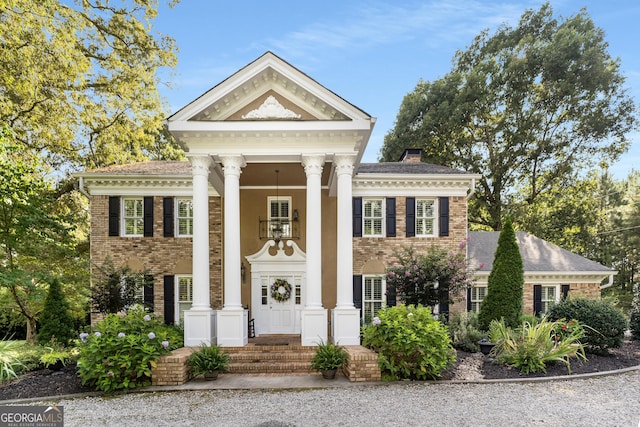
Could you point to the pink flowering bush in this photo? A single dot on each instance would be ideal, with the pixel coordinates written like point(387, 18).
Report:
point(123, 349)
point(415, 275)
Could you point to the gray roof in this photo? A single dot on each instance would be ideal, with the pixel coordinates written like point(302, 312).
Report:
point(537, 255)
point(417, 168)
point(153, 167)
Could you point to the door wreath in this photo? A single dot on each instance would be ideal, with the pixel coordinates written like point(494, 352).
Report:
point(281, 290)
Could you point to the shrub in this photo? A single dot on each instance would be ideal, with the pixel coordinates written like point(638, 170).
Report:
point(328, 356)
point(604, 324)
point(531, 347)
point(464, 331)
point(9, 359)
point(123, 349)
point(634, 313)
point(207, 360)
point(56, 323)
point(506, 282)
point(410, 343)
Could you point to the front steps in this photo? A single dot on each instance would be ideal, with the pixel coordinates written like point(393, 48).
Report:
point(269, 355)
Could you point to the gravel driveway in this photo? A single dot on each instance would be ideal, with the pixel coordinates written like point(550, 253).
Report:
point(604, 401)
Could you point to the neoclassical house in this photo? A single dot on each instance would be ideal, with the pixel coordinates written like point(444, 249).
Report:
point(273, 225)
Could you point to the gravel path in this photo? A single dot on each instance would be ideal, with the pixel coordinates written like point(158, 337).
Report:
point(605, 401)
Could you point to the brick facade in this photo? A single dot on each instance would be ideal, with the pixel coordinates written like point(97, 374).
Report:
point(158, 255)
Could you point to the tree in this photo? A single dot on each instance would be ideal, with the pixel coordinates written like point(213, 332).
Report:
point(506, 282)
point(115, 289)
point(421, 278)
point(56, 322)
point(527, 107)
point(79, 79)
point(34, 237)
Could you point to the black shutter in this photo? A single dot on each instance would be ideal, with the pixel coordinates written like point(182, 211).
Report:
point(391, 296)
point(148, 216)
point(444, 216)
point(411, 216)
point(391, 216)
point(169, 300)
point(357, 291)
point(357, 217)
point(469, 307)
point(114, 216)
point(167, 216)
point(443, 300)
point(148, 291)
point(537, 299)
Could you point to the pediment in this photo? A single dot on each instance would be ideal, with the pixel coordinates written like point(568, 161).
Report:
point(269, 89)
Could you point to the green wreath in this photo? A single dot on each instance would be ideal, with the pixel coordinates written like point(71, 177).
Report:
point(281, 290)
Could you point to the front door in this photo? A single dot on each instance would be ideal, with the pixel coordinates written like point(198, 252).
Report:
point(280, 304)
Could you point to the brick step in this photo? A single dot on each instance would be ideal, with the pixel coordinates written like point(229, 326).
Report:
point(269, 367)
point(271, 357)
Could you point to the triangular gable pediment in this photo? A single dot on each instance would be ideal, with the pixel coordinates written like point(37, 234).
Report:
point(269, 89)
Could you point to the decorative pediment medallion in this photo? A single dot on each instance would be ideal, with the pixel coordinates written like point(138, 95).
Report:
point(269, 110)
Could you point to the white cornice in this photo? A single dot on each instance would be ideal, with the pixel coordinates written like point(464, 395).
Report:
point(414, 185)
point(123, 185)
point(553, 277)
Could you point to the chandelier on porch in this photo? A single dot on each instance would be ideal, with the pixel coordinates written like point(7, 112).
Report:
point(276, 230)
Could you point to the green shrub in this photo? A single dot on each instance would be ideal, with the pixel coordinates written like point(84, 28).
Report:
point(505, 283)
point(634, 312)
point(9, 359)
point(329, 356)
point(464, 331)
point(54, 354)
point(123, 349)
point(207, 360)
point(604, 324)
point(531, 347)
point(56, 323)
point(410, 343)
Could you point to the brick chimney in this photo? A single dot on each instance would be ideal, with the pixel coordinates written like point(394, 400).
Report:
point(411, 155)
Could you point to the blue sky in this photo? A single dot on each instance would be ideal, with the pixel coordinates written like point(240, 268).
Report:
point(372, 53)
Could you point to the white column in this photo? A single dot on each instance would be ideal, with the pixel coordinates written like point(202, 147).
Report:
point(232, 319)
point(314, 316)
point(199, 321)
point(345, 317)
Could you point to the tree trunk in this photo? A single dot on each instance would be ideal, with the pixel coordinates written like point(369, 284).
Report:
point(31, 330)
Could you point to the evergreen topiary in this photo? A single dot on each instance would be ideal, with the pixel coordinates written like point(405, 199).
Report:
point(56, 323)
point(506, 282)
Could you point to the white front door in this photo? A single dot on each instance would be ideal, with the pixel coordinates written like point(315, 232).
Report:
point(279, 307)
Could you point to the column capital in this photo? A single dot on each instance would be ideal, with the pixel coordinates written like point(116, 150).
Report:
point(313, 164)
point(344, 164)
point(200, 165)
point(232, 165)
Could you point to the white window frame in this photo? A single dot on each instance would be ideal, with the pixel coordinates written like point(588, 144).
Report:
point(372, 311)
point(177, 312)
point(545, 302)
point(475, 301)
point(137, 217)
point(287, 232)
point(433, 218)
point(380, 218)
point(178, 218)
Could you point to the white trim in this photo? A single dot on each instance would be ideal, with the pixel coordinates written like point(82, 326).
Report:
point(177, 301)
point(383, 300)
point(176, 217)
point(436, 209)
point(123, 222)
point(558, 294)
point(553, 277)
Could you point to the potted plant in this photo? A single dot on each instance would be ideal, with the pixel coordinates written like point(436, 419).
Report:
point(328, 358)
point(208, 361)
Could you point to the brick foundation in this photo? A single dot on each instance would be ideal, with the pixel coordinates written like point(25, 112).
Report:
point(172, 369)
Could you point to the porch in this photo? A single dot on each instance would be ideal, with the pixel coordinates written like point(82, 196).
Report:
point(268, 355)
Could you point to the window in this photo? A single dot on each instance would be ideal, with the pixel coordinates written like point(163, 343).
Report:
point(184, 285)
point(373, 294)
point(373, 217)
point(184, 217)
point(280, 215)
point(477, 295)
point(550, 296)
point(133, 217)
point(425, 217)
